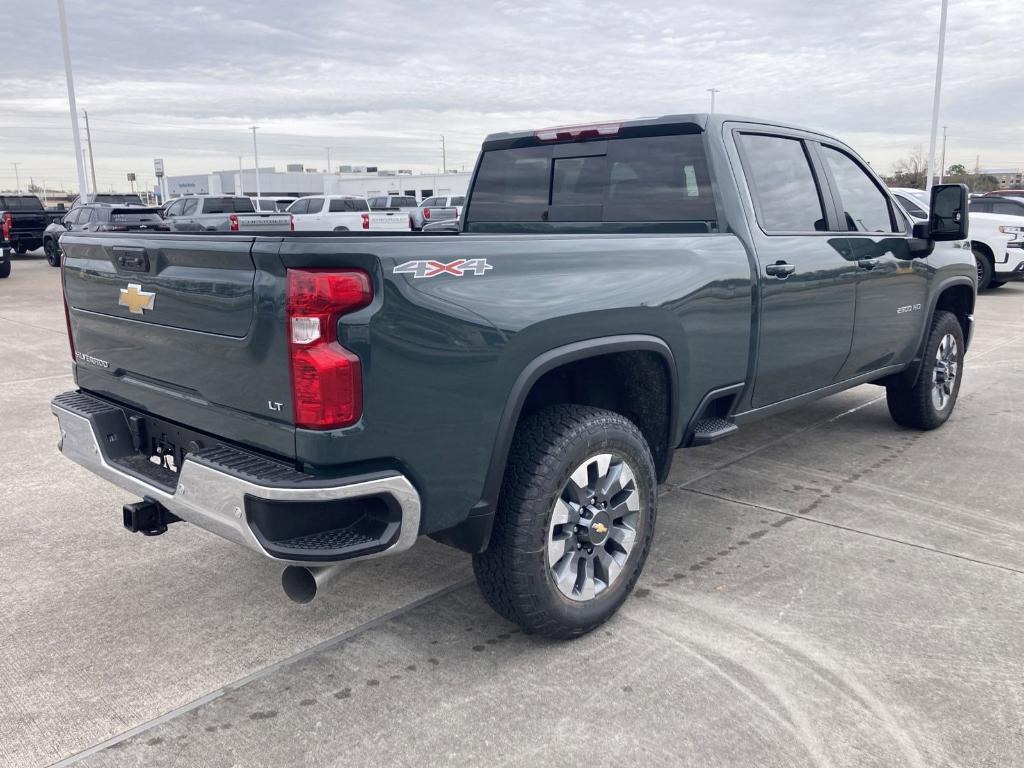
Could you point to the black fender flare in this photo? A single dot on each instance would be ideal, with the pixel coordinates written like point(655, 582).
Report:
point(473, 534)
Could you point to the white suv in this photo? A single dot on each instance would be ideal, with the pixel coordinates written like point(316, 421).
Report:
point(344, 213)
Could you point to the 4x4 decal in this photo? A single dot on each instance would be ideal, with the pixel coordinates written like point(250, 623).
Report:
point(458, 268)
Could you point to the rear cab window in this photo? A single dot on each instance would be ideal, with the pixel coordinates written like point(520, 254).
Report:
point(344, 205)
point(21, 203)
point(228, 205)
point(631, 183)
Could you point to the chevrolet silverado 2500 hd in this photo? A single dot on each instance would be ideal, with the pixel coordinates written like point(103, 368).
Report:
point(516, 389)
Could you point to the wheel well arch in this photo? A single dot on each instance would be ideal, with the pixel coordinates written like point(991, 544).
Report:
point(985, 250)
point(958, 299)
point(547, 378)
point(956, 296)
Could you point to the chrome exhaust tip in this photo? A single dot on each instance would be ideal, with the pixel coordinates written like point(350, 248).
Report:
point(301, 584)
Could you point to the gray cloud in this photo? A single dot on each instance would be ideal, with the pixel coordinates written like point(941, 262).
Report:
point(380, 82)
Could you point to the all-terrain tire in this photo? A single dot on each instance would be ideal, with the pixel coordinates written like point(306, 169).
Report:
point(915, 406)
point(514, 573)
point(5, 269)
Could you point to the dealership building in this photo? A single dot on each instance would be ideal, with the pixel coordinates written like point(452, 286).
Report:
point(296, 181)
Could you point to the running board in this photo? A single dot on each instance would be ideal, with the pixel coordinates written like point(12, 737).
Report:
point(711, 429)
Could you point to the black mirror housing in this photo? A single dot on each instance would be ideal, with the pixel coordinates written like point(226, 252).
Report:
point(948, 214)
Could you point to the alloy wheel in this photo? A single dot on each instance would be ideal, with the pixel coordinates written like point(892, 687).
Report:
point(593, 526)
point(947, 366)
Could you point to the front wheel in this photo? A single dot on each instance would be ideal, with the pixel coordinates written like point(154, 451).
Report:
point(984, 265)
point(574, 521)
point(52, 252)
point(930, 401)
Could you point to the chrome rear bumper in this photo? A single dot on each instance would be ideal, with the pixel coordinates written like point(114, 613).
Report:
point(214, 499)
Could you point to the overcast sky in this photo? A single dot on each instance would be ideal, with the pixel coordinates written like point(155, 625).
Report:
point(379, 82)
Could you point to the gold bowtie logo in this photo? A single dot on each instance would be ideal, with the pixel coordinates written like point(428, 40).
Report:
point(136, 299)
point(600, 527)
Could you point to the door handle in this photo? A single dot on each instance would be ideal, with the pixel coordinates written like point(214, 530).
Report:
point(780, 269)
point(868, 263)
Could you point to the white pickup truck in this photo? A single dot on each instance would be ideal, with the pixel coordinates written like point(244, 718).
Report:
point(343, 213)
point(997, 239)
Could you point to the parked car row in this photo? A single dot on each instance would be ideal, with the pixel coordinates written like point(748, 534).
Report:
point(996, 232)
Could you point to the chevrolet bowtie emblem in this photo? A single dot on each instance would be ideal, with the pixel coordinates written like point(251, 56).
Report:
point(136, 299)
point(600, 527)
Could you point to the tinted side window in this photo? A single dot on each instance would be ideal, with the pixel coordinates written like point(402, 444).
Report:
point(190, 206)
point(1008, 208)
point(865, 207)
point(242, 205)
point(403, 202)
point(299, 206)
point(783, 184)
point(460, 200)
point(316, 204)
point(912, 207)
point(377, 203)
point(428, 202)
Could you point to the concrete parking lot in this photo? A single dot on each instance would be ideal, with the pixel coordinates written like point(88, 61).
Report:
point(825, 589)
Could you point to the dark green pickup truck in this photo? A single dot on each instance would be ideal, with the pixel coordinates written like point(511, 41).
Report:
point(518, 388)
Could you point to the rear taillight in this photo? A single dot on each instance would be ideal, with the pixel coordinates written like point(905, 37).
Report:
point(327, 386)
point(426, 214)
point(291, 223)
point(8, 222)
point(233, 222)
point(366, 220)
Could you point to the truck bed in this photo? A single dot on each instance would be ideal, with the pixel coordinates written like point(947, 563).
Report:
point(213, 349)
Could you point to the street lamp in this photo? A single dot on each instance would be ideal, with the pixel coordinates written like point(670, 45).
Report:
point(937, 95)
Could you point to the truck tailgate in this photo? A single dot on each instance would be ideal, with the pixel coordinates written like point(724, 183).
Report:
point(264, 222)
point(389, 221)
point(188, 328)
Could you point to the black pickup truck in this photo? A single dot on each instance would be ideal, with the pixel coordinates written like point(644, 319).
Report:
point(22, 221)
point(518, 388)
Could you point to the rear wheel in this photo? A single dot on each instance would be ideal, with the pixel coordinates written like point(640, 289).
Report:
point(5, 269)
point(341, 229)
point(21, 249)
point(574, 521)
point(984, 265)
point(52, 252)
point(930, 401)
point(996, 284)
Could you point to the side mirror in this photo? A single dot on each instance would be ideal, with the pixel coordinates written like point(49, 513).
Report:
point(948, 216)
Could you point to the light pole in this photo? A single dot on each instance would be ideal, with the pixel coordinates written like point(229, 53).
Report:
point(328, 160)
point(88, 141)
point(444, 158)
point(17, 179)
point(71, 98)
point(937, 95)
point(942, 162)
point(256, 157)
point(712, 91)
